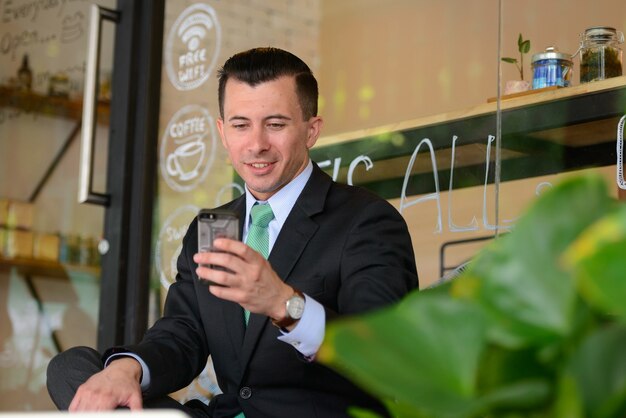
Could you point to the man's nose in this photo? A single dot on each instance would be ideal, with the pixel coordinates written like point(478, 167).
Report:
point(259, 140)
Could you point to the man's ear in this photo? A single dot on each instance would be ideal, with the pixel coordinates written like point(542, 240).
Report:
point(315, 129)
point(220, 129)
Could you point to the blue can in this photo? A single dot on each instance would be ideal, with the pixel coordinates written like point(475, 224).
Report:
point(551, 68)
point(540, 75)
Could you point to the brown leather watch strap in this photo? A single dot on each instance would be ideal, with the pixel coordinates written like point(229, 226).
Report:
point(287, 320)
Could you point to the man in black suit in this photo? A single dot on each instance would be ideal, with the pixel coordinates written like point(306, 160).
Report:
point(334, 250)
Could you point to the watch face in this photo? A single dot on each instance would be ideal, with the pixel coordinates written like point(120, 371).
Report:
point(295, 307)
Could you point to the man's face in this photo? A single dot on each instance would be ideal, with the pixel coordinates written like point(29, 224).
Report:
point(265, 135)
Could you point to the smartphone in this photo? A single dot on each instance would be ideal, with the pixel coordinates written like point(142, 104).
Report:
point(216, 223)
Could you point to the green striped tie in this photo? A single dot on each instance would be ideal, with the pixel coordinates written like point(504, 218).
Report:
point(259, 240)
point(258, 235)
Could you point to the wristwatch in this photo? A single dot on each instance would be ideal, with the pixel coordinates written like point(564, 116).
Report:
point(294, 308)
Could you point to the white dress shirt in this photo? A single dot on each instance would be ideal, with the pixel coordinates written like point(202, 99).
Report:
point(308, 335)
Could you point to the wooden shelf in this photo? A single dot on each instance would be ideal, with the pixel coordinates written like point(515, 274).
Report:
point(52, 269)
point(549, 132)
point(523, 93)
point(62, 107)
point(32, 267)
point(543, 97)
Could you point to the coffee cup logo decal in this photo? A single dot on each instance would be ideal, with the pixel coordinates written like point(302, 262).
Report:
point(192, 47)
point(186, 159)
point(187, 148)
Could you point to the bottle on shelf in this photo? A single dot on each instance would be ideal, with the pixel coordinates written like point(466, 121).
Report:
point(600, 53)
point(25, 75)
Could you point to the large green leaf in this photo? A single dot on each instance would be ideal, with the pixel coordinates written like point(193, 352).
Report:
point(500, 366)
point(599, 370)
point(598, 259)
point(524, 395)
point(568, 403)
point(521, 284)
point(423, 353)
point(429, 356)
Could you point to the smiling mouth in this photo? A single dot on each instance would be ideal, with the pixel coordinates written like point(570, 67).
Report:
point(259, 165)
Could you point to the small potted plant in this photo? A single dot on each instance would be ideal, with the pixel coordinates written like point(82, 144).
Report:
point(515, 86)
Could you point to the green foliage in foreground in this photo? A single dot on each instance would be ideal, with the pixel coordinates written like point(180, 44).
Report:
point(534, 327)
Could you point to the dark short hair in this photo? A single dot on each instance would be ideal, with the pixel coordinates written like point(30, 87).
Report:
point(259, 65)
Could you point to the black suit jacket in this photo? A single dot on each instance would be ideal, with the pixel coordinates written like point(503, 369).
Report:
point(345, 247)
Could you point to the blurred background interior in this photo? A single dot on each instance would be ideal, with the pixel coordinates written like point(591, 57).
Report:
point(458, 112)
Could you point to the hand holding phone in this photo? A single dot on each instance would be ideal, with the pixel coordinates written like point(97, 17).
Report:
point(212, 224)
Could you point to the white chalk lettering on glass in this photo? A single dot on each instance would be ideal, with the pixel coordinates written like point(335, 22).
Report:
point(169, 244)
point(192, 47)
point(436, 196)
point(73, 27)
point(473, 225)
point(227, 193)
point(406, 202)
point(29, 10)
point(336, 163)
point(187, 148)
point(507, 223)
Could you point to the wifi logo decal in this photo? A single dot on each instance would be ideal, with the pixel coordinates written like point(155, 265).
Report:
point(192, 47)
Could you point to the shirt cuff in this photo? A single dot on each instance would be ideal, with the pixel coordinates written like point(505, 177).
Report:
point(308, 334)
point(145, 372)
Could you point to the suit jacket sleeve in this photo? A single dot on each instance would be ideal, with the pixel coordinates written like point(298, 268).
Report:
point(356, 253)
point(377, 261)
point(175, 348)
point(377, 266)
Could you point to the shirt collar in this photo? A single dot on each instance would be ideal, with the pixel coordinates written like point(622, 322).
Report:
point(282, 201)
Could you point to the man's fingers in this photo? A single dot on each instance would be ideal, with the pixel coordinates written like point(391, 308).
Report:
point(237, 248)
point(220, 277)
point(227, 293)
point(73, 405)
point(117, 385)
point(135, 403)
point(82, 403)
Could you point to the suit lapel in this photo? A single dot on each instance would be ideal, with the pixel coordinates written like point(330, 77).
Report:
point(299, 227)
point(294, 236)
point(233, 314)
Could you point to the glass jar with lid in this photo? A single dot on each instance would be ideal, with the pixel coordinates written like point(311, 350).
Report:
point(551, 68)
point(600, 53)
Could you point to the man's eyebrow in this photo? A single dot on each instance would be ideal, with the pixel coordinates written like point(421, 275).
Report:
point(268, 117)
point(233, 118)
point(277, 116)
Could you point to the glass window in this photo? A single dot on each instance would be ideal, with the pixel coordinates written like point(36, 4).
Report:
point(49, 265)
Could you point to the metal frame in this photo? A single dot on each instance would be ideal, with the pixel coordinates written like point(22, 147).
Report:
point(131, 172)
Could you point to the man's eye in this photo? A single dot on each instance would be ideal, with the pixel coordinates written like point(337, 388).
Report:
point(239, 126)
point(276, 125)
